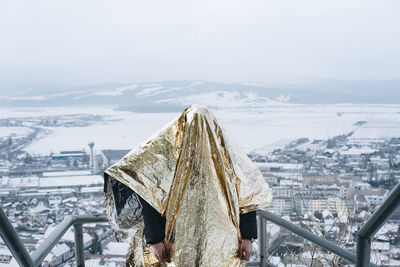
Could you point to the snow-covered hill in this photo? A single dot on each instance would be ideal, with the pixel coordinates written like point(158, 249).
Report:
point(174, 95)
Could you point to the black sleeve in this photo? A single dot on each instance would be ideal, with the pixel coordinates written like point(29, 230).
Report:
point(154, 223)
point(248, 225)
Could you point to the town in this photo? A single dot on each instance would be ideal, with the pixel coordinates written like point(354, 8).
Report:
point(330, 187)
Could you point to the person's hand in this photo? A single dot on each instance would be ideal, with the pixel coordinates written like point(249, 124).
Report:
point(159, 251)
point(162, 252)
point(245, 249)
point(169, 251)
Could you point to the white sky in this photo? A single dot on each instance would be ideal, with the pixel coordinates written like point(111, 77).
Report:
point(93, 41)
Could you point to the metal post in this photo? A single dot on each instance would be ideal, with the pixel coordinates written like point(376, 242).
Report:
point(79, 253)
point(48, 243)
point(12, 240)
point(379, 218)
point(262, 239)
point(363, 252)
point(382, 214)
point(309, 236)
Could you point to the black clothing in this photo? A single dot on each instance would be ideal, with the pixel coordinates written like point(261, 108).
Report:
point(154, 223)
point(248, 225)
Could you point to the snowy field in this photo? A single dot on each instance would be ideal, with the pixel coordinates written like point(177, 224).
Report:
point(262, 130)
point(15, 131)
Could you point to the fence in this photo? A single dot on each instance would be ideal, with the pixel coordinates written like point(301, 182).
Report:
point(361, 259)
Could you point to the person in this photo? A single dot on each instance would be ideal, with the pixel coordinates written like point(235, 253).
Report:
point(186, 197)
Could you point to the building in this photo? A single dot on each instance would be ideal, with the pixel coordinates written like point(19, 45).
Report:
point(111, 156)
point(66, 155)
point(5, 255)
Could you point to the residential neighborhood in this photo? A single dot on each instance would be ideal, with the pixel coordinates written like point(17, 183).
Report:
point(330, 187)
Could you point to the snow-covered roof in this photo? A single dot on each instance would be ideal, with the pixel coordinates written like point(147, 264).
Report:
point(60, 249)
point(283, 166)
point(326, 213)
point(33, 181)
point(70, 199)
point(12, 263)
point(84, 180)
point(364, 214)
point(358, 151)
point(387, 227)
point(342, 216)
point(97, 262)
point(39, 208)
point(380, 245)
point(92, 189)
point(116, 248)
point(30, 181)
point(275, 260)
point(66, 173)
point(290, 182)
point(5, 251)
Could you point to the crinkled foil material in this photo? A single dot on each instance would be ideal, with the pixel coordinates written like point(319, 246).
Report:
point(195, 176)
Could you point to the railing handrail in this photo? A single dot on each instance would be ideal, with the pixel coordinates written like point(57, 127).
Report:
point(12, 240)
point(44, 249)
point(268, 216)
point(362, 259)
point(17, 248)
point(377, 220)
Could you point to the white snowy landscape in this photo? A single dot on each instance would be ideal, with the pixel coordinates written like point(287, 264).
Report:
point(262, 130)
point(342, 153)
point(309, 91)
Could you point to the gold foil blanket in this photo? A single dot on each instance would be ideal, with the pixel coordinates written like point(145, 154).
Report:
point(192, 173)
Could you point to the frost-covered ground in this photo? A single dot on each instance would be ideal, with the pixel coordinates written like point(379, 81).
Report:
point(15, 131)
point(261, 129)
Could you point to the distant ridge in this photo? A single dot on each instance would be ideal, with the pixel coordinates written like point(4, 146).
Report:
point(173, 95)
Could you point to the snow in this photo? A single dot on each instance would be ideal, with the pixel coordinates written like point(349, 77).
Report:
point(83, 180)
point(92, 189)
point(66, 173)
point(358, 151)
point(30, 181)
point(86, 180)
point(273, 229)
point(342, 216)
point(387, 227)
point(54, 111)
point(261, 128)
point(326, 214)
point(39, 208)
point(18, 131)
point(116, 91)
point(275, 260)
point(224, 99)
point(13, 263)
point(60, 249)
point(5, 251)
point(282, 166)
point(150, 91)
point(126, 132)
point(116, 248)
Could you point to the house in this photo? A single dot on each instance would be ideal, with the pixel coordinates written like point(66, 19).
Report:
point(5, 255)
point(111, 156)
point(59, 254)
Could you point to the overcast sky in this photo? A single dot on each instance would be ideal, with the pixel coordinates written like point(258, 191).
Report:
point(84, 42)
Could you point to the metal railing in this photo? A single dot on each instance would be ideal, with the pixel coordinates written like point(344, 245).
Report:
point(361, 259)
point(12, 240)
point(377, 220)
